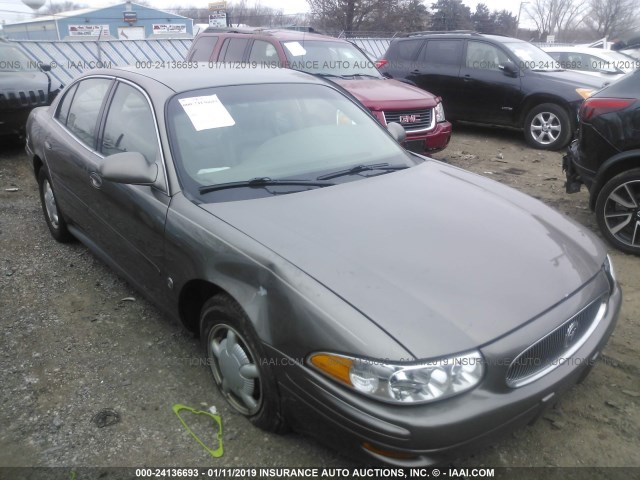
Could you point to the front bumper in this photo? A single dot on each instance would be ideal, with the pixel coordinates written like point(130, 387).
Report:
point(430, 434)
point(431, 141)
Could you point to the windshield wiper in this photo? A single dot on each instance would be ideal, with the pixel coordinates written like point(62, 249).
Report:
point(262, 182)
point(361, 168)
point(365, 75)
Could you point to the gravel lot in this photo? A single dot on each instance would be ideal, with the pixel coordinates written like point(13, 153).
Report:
point(76, 339)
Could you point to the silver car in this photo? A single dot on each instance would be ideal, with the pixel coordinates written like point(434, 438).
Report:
point(400, 309)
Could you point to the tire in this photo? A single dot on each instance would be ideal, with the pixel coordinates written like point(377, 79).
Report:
point(547, 127)
point(233, 352)
point(618, 211)
point(52, 214)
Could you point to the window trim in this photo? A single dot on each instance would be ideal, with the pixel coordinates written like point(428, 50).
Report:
point(102, 119)
point(103, 122)
point(100, 113)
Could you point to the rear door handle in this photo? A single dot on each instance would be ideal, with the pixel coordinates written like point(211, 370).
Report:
point(95, 179)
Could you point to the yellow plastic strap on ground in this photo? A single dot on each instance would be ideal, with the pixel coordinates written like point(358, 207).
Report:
point(214, 453)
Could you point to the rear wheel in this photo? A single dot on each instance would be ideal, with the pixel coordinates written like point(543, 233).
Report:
point(238, 365)
point(618, 211)
point(547, 127)
point(52, 214)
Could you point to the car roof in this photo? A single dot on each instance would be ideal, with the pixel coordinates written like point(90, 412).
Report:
point(463, 34)
point(204, 75)
point(589, 50)
point(280, 34)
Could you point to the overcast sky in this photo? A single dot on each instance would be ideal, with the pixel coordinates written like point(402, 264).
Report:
point(12, 10)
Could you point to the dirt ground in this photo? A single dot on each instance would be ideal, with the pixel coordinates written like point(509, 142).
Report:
point(76, 339)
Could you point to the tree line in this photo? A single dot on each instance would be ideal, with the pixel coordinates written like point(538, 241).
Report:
point(567, 20)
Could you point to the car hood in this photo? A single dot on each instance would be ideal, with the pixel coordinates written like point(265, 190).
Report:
point(441, 259)
point(572, 78)
point(24, 89)
point(387, 94)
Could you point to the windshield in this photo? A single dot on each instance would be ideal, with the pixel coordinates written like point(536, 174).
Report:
point(531, 57)
point(275, 132)
point(13, 60)
point(329, 58)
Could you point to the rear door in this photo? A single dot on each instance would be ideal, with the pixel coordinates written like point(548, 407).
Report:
point(437, 70)
point(70, 150)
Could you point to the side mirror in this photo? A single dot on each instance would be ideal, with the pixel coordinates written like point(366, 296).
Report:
point(397, 131)
point(509, 69)
point(45, 67)
point(129, 168)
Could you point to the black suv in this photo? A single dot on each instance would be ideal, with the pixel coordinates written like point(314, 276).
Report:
point(24, 85)
point(493, 80)
point(606, 158)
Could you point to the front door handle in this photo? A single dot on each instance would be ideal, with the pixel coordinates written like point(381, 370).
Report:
point(47, 145)
point(95, 179)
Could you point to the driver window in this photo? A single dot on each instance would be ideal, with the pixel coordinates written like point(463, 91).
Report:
point(130, 126)
point(263, 52)
point(484, 56)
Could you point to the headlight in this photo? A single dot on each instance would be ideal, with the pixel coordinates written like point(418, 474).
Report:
point(585, 92)
point(439, 113)
point(422, 382)
point(611, 274)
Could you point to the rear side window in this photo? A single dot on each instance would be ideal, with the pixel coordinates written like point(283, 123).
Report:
point(85, 107)
point(65, 104)
point(233, 50)
point(442, 52)
point(407, 49)
point(203, 48)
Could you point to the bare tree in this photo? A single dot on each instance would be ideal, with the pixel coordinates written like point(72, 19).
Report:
point(344, 15)
point(554, 17)
point(612, 18)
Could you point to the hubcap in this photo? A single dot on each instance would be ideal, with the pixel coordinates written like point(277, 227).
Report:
point(622, 213)
point(234, 369)
point(50, 204)
point(545, 128)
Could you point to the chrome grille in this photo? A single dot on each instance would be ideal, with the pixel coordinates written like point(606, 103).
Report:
point(554, 349)
point(412, 120)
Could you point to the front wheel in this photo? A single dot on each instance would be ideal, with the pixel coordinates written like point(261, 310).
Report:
point(238, 366)
point(547, 127)
point(618, 211)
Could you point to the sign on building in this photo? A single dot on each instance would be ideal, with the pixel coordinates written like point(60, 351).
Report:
point(169, 28)
point(130, 17)
point(85, 30)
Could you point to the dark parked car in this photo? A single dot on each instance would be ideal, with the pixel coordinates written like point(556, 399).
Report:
point(419, 112)
point(340, 284)
point(488, 79)
point(606, 158)
point(24, 85)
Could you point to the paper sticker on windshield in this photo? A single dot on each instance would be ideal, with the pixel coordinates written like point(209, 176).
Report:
point(295, 49)
point(206, 112)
